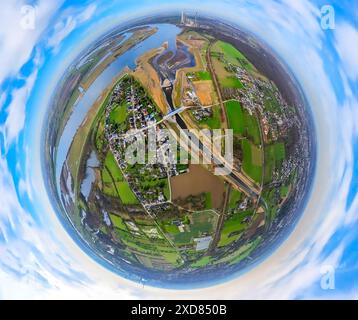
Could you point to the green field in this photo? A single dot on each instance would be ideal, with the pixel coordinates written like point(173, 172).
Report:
point(203, 75)
point(204, 261)
point(242, 122)
point(246, 250)
point(231, 82)
point(172, 257)
point(284, 191)
point(118, 222)
point(170, 228)
point(235, 116)
point(201, 222)
point(233, 227)
point(114, 182)
point(208, 201)
point(119, 114)
point(252, 128)
point(240, 254)
point(235, 197)
point(251, 161)
point(214, 122)
point(232, 55)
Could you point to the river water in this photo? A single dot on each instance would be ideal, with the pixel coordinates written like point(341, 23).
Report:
point(166, 33)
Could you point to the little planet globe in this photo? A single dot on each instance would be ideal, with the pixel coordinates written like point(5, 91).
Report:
point(179, 151)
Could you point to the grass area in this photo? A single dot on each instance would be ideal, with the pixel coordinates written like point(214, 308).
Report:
point(270, 196)
point(170, 228)
point(246, 250)
point(232, 55)
point(242, 253)
point(251, 160)
point(114, 182)
point(225, 56)
point(112, 166)
point(203, 75)
point(126, 194)
point(284, 191)
point(119, 114)
point(235, 116)
point(233, 227)
point(109, 187)
point(201, 223)
point(202, 262)
point(225, 77)
point(215, 121)
point(118, 222)
point(208, 201)
point(242, 122)
point(100, 139)
point(252, 128)
point(231, 82)
point(235, 197)
point(274, 155)
point(148, 243)
point(172, 257)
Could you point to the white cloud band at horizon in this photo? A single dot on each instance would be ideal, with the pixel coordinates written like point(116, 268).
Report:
point(316, 58)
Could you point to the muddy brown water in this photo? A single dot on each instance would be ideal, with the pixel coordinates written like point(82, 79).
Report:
point(197, 181)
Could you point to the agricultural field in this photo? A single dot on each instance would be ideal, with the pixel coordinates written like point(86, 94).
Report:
point(224, 57)
point(119, 114)
point(233, 227)
point(213, 122)
point(236, 117)
point(235, 197)
point(201, 224)
point(232, 55)
point(242, 122)
point(199, 76)
point(183, 217)
point(252, 160)
point(241, 253)
point(114, 182)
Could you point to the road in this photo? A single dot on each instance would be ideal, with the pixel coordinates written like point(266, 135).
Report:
point(220, 223)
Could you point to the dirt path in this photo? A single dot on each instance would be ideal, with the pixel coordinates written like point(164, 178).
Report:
point(216, 85)
point(220, 223)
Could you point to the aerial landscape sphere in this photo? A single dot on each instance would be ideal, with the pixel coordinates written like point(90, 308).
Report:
point(179, 150)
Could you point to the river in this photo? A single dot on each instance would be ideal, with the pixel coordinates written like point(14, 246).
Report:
point(166, 33)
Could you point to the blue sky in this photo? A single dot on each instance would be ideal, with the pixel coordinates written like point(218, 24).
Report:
point(38, 258)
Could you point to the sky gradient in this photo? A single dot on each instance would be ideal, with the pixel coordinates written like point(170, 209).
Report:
point(38, 259)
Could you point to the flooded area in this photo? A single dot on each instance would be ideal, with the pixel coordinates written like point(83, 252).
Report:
point(197, 181)
point(168, 63)
point(90, 176)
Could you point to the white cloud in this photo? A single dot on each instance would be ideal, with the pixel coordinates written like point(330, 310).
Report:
point(16, 111)
point(69, 22)
point(17, 43)
point(346, 37)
